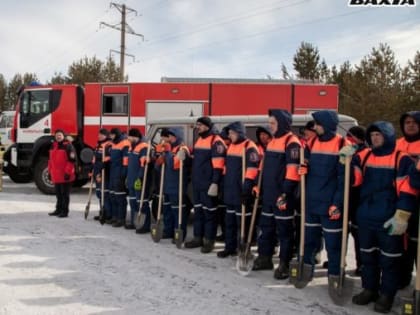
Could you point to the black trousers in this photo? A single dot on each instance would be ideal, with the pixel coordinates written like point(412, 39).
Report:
point(62, 192)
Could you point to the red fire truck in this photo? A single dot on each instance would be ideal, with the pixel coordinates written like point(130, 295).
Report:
point(82, 111)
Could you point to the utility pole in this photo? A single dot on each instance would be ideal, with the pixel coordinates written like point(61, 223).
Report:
point(123, 27)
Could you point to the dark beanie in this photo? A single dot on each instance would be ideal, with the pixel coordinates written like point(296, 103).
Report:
point(164, 132)
point(205, 121)
point(358, 132)
point(310, 125)
point(134, 132)
point(60, 131)
point(104, 132)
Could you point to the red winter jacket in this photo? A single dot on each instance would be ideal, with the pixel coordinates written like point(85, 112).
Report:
point(62, 162)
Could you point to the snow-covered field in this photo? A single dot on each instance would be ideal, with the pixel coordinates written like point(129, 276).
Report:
point(72, 266)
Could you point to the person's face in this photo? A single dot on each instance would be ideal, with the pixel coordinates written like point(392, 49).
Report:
point(233, 136)
point(101, 137)
point(172, 139)
point(112, 136)
point(264, 138)
point(59, 137)
point(319, 129)
point(273, 124)
point(201, 127)
point(411, 128)
point(377, 139)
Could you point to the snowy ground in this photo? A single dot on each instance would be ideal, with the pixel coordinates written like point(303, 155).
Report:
point(72, 266)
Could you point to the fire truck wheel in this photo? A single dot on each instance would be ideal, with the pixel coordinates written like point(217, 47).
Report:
point(15, 175)
point(41, 177)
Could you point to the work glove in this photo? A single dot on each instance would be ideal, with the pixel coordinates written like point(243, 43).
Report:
point(303, 169)
point(256, 191)
point(181, 155)
point(334, 213)
point(281, 202)
point(346, 151)
point(213, 190)
point(397, 225)
point(137, 184)
point(66, 177)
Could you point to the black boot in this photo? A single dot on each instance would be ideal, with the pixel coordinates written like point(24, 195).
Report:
point(194, 243)
point(282, 271)
point(208, 246)
point(56, 212)
point(384, 304)
point(263, 263)
point(365, 297)
point(143, 230)
point(97, 217)
point(118, 223)
point(225, 253)
point(63, 214)
point(129, 226)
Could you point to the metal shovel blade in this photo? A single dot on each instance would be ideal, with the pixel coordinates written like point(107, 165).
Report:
point(244, 263)
point(300, 274)
point(339, 289)
point(156, 231)
point(87, 210)
point(140, 218)
point(411, 305)
point(178, 236)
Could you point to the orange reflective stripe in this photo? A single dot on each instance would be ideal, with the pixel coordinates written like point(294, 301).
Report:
point(204, 143)
point(412, 148)
point(331, 147)
point(218, 162)
point(403, 185)
point(358, 176)
point(292, 172)
point(387, 161)
point(125, 161)
point(251, 173)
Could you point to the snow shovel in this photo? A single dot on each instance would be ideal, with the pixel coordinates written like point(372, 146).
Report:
point(339, 289)
point(87, 208)
point(300, 274)
point(156, 228)
point(140, 218)
point(179, 233)
point(411, 305)
point(102, 211)
point(245, 260)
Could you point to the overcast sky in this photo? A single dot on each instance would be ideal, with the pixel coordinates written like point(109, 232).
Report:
point(198, 38)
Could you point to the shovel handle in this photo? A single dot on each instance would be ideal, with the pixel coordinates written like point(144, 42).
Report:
point(162, 181)
point(181, 181)
point(146, 169)
point(302, 205)
point(254, 208)
point(243, 210)
point(345, 212)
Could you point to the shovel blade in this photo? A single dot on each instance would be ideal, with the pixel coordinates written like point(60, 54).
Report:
point(300, 274)
point(140, 218)
point(87, 210)
point(339, 289)
point(411, 305)
point(178, 236)
point(156, 231)
point(244, 263)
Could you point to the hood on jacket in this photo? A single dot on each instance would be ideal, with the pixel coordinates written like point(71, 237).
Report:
point(178, 133)
point(260, 130)
point(328, 119)
point(118, 134)
point(416, 116)
point(284, 121)
point(388, 131)
point(239, 128)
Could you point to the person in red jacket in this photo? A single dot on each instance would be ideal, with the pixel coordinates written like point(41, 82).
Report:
point(61, 169)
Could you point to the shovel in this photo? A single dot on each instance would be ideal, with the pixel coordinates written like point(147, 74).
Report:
point(87, 208)
point(411, 305)
point(245, 259)
point(339, 289)
point(179, 233)
point(140, 218)
point(300, 274)
point(156, 228)
point(102, 211)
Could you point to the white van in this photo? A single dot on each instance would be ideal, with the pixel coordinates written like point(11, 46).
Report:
point(251, 123)
point(6, 125)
